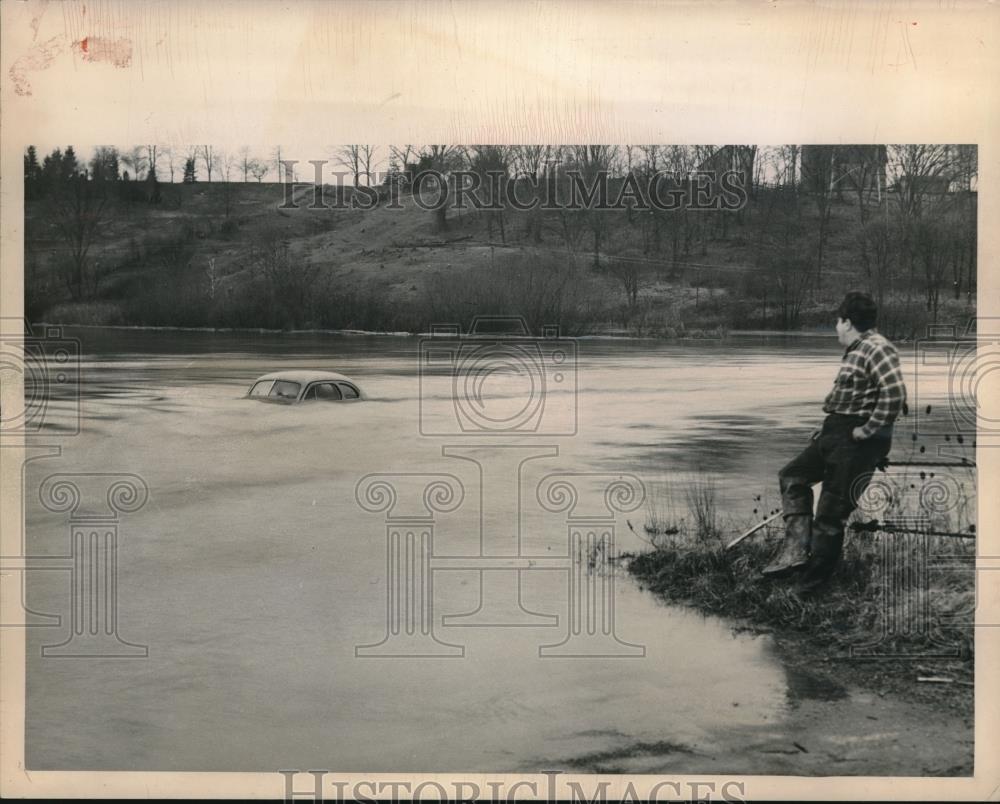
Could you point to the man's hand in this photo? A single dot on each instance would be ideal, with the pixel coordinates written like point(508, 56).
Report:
point(858, 434)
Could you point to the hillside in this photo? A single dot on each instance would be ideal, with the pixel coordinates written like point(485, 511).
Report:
point(227, 255)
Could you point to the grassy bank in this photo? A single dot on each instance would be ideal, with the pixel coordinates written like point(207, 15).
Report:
point(893, 595)
point(225, 255)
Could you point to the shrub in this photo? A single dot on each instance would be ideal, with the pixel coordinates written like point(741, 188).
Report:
point(542, 288)
point(872, 589)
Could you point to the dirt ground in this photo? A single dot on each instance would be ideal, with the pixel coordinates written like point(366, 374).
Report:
point(843, 717)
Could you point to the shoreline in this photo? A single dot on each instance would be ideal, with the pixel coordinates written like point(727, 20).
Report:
point(866, 716)
point(828, 624)
point(703, 334)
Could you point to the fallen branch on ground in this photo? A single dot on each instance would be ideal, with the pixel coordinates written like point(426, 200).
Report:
point(874, 526)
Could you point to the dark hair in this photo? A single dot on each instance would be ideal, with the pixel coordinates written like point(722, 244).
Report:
point(860, 308)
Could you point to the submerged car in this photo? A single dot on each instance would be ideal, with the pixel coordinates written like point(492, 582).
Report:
point(292, 387)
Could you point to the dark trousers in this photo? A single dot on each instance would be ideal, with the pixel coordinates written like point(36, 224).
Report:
point(845, 467)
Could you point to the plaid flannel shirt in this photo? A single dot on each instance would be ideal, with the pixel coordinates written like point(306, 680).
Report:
point(869, 383)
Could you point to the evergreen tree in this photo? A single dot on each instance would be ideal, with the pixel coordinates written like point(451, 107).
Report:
point(32, 169)
point(32, 173)
point(189, 171)
point(152, 185)
point(52, 170)
point(70, 167)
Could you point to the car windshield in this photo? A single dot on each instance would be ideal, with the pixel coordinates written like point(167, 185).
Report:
point(261, 388)
point(284, 389)
point(276, 390)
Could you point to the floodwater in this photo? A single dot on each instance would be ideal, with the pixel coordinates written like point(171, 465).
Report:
point(252, 573)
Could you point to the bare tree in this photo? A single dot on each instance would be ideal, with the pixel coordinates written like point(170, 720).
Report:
point(78, 213)
point(789, 275)
point(403, 154)
point(439, 160)
point(210, 159)
point(168, 154)
point(920, 170)
point(818, 180)
point(964, 265)
point(628, 270)
point(965, 161)
point(629, 156)
point(648, 169)
point(349, 156)
point(134, 158)
point(594, 163)
point(863, 170)
point(877, 250)
point(922, 177)
point(245, 162)
point(938, 247)
point(965, 166)
point(534, 164)
point(259, 169)
point(227, 164)
point(682, 160)
point(151, 159)
point(488, 161)
point(788, 165)
point(367, 158)
point(289, 286)
point(284, 172)
point(651, 157)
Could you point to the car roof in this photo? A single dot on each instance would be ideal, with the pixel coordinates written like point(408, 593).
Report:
point(304, 376)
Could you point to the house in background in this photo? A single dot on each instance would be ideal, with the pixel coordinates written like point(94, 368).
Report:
point(851, 168)
point(732, 158)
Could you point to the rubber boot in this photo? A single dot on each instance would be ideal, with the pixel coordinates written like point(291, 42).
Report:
point(827, 543)
point(794, 552)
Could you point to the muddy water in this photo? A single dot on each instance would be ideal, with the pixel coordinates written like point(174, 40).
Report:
point(252, 573)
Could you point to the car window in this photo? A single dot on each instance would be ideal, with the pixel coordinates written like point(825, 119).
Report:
point(261, 388)
point(350, 392)
point(326, 391)
point(283, 389)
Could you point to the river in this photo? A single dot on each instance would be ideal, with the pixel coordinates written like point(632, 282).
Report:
point(252, 573)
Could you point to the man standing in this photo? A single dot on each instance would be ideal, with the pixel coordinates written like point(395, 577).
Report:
point(868, 394)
